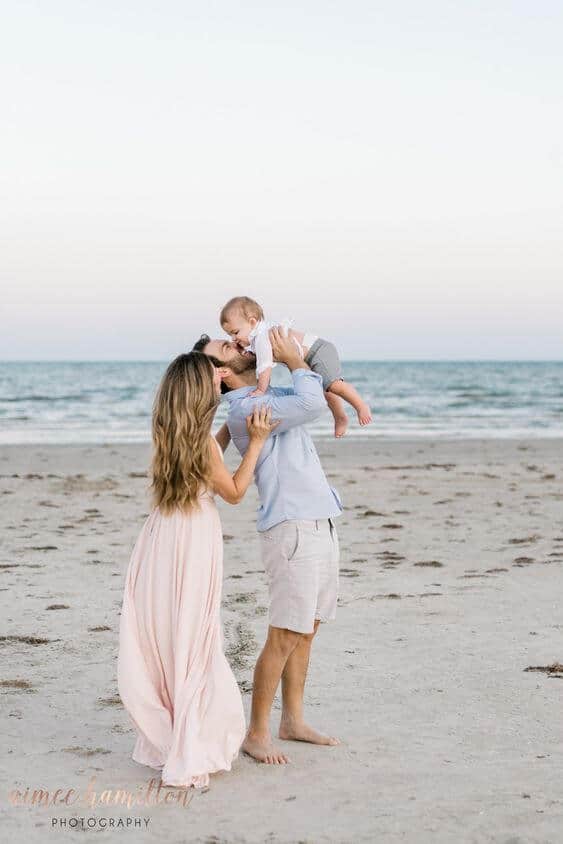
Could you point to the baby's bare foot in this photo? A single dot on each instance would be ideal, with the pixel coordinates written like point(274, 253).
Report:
point(291, 731)
point(364, 413)
point(340, 425)
point(260, 747)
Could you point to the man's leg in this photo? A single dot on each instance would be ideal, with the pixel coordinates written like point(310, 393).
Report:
point(279, 646)
point(292, 724)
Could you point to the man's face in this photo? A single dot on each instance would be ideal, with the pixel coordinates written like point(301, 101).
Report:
point(228, 352)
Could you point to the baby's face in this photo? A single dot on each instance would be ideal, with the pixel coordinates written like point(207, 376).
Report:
point(239, 328)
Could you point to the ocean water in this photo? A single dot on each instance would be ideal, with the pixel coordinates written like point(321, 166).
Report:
point(112, 401)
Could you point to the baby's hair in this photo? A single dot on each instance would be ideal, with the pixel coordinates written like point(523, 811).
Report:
point(243, 305)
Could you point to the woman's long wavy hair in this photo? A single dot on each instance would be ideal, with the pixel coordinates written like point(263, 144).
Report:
point(183, 412)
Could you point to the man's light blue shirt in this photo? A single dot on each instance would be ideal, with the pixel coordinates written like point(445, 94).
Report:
point(289, 476)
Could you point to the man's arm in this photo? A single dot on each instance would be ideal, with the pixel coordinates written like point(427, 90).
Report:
point(307, 401)
point(303, 404)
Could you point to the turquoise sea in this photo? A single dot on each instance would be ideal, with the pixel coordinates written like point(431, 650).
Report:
point(112, 401)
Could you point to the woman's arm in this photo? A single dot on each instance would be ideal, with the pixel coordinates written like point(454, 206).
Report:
point(223, 437)
point(232, 488)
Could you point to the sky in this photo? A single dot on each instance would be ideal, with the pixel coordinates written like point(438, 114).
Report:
point(388, 174)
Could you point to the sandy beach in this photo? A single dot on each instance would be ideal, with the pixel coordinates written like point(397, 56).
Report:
point(451, 584)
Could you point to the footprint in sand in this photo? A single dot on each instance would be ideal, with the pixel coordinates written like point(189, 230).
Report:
point(467, 576)
point(26, 640)
point(17, 685)
point(526, 540)
point(86, 751)
point(523, 561)
point(242, 649)
point(553, 670)
point(429, 564)
point(114, 700)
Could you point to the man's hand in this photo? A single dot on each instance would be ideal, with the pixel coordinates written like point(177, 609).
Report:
point(284, 349)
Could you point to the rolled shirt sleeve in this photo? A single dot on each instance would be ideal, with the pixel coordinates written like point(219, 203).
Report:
point(306, 403)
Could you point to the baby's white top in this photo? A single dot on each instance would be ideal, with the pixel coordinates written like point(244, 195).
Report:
point(260, 343)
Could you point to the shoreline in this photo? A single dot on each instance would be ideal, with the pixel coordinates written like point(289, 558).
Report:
point(356, 438)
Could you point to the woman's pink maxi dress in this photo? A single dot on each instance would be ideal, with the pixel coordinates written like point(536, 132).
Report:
point(173, 677)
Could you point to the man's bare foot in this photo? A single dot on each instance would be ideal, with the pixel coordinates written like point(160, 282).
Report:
point(340, 425)
point(262, 749)
point(302, 732)
point(364, 413)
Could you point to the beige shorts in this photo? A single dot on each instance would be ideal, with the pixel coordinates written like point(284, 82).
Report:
point(301, 562)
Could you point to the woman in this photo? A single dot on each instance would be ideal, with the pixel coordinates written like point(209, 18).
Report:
point(173, 677)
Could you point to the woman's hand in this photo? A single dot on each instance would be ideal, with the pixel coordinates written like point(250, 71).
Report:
point(259, 424)
point(233, 487)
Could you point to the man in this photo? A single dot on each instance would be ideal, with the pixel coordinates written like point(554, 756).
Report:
point(298, 537)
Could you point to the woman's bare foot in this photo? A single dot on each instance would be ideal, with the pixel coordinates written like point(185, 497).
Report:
point(302, 732)
point(364, 413)
point(340, 425)
point(262, 749)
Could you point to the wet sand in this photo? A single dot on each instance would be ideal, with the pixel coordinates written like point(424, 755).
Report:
point(451, 584)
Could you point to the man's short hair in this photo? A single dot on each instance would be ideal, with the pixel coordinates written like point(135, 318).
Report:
point(199, 346)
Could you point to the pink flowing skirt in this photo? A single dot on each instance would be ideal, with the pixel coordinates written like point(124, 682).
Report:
point(173, 677)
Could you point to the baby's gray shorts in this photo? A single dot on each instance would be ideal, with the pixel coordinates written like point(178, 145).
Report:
point(323, 358)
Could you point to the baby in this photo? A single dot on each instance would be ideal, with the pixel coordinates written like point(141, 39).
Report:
point(243, 319)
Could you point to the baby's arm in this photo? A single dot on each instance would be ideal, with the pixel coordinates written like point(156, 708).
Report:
point(263, 382)
point(264, 362)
